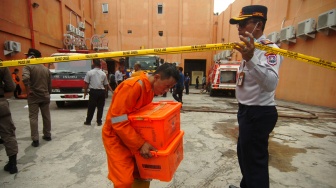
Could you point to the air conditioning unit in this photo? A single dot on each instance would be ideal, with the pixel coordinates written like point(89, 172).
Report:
point(81, 25)
point(12, 46)
point(327, 21)
point(217, 57)
point(226, 54)
point(273, 37)
point(70, 28)
point(221, 55)
point(306, 29)
point(82, 34)
point(287, 35)
point(77, 31)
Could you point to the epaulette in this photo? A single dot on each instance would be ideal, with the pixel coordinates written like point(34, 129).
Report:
point(266, 42)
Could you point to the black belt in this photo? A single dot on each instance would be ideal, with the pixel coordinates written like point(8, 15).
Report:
point(244, 105)
point(97, 89)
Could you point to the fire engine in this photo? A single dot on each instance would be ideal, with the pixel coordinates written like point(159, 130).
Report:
point(148, 63)
point(67, 80)
point(222, 77)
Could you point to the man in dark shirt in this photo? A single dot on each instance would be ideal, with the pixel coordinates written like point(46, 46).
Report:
point(178, 89)
point(37, 80)
point(7, 128)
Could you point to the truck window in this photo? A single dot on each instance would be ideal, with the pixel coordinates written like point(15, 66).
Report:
point(73, 66)
point(228, 77)
point(146, 62)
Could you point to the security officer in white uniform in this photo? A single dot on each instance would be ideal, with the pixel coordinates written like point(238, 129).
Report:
point(257, 114)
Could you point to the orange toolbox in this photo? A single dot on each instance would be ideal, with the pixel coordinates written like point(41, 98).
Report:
point(158, 122)
point(164, 163)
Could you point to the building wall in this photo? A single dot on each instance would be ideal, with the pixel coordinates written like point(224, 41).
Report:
point(183, 23)
point(299, 81)
point(42, 27)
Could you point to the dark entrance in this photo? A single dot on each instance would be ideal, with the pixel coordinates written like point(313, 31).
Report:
point(111, 66)
point(191, 65)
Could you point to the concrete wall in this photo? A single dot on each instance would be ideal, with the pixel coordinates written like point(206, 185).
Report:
point(299, 82)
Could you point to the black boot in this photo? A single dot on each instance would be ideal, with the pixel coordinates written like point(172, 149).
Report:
point(11, 165)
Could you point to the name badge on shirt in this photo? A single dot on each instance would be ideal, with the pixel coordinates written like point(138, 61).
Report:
point(240, 79)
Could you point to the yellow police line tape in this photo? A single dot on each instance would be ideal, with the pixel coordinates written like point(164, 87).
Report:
point(169, 50)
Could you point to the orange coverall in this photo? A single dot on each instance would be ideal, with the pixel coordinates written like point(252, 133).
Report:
point(120, 139)
point(14, 79)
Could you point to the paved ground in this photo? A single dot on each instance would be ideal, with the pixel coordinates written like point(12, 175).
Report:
point(302, 150)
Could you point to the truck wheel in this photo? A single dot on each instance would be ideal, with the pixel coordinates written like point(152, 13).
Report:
point(60, 104)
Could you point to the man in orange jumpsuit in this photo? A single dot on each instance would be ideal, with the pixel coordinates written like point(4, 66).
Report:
point(120, 139)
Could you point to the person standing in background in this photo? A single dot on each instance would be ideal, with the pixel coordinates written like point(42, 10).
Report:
point(96, 81)
point(187, 83)
point(203, 82)
point(112, 82)
point(16, 79)
point(137, 70)
point(258, 79)
point(7, 127)
point(178, 89)
point(37, 80)
point(197, 82)
point(119, 76)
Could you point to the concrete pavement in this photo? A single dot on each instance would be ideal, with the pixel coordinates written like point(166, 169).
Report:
point(302, 150)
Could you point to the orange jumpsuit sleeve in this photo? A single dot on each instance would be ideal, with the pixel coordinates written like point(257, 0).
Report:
point(14, 79)
point(125, 101)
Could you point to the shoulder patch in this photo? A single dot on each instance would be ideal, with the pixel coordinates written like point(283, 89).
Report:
point(271, 58)
point(266, 42)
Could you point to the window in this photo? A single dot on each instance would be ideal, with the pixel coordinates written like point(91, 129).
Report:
point(161, 33)
point(160, 8)
point(105, 7)
point(129, 31)
point(105, 31)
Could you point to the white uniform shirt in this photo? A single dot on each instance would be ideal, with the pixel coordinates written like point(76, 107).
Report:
point(261, 78)
point(118, 76)
point(96, 79)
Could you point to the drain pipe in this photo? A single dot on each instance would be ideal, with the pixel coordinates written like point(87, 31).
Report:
point(31, 26)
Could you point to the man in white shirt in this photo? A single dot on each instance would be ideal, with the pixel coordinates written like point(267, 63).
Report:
point(96, 81)
point(119, 77)
point(257, 114)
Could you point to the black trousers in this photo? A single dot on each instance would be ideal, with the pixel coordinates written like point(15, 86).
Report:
point(255, 125)
point(17, 91)
point(96, 100)
point(177, 94)
point(187, 89)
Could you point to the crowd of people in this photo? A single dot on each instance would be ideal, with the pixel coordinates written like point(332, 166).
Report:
point(257, 114)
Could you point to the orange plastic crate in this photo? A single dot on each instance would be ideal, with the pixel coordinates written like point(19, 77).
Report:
point(158, 122)
point(164, 163)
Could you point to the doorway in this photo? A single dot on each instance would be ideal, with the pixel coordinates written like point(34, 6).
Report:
point(195, 67)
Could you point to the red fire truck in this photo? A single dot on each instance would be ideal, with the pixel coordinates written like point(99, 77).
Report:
point(67, 80)
point(223, 76)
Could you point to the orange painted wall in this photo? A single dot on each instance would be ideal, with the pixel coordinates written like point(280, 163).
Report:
point(299, 82)
point(49, 20)
point(182, 22)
